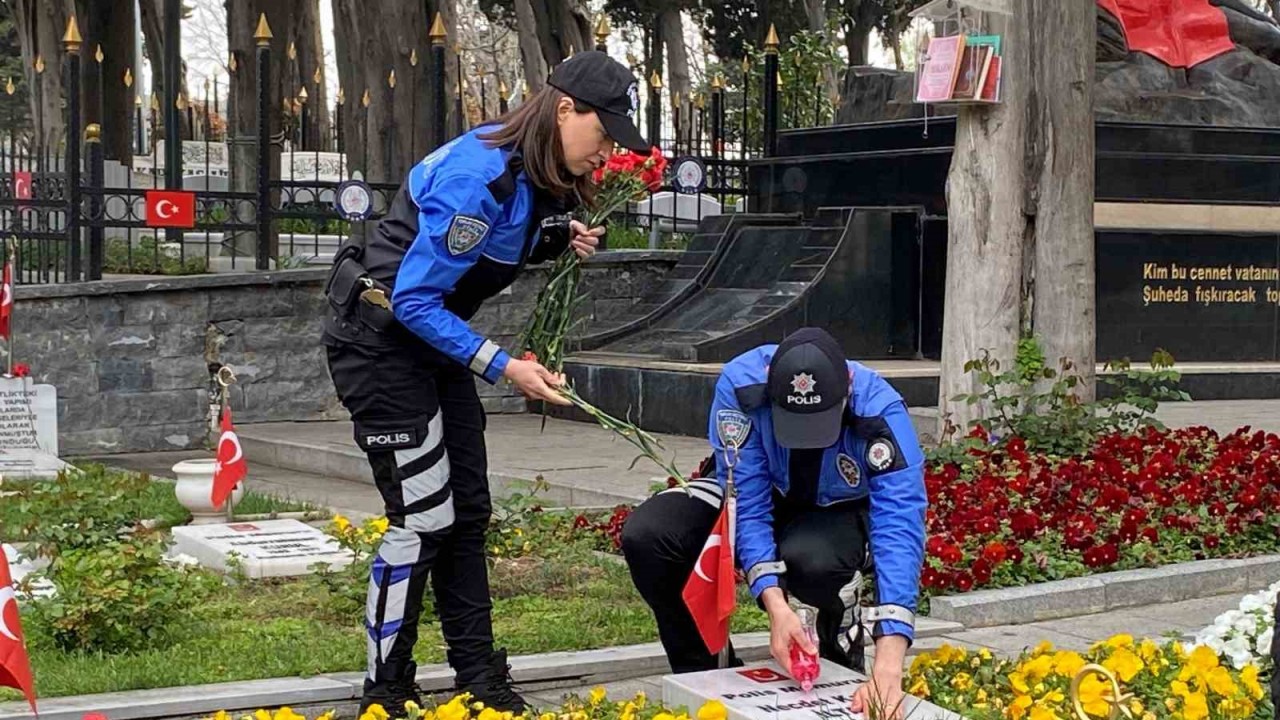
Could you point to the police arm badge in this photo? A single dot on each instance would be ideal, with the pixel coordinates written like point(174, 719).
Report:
point(733, 427)
point(465, 233)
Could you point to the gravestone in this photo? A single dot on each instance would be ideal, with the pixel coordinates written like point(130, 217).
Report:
point(28, 429)
point(267, 548)
point(20, 567)
point(761, 692)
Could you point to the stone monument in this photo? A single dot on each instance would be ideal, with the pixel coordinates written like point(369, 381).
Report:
point(266, 548)
point(28, 428)
point(761, 692)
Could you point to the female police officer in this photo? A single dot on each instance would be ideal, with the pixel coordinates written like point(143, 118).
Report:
point(402, 356)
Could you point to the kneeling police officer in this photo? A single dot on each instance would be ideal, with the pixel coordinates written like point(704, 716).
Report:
point(825, 463)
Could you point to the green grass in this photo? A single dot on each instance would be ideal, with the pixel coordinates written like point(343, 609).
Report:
point(156, 501)
point(279, 628)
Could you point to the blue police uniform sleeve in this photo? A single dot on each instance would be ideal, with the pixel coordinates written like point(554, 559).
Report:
point(898, 504)
point(755, 547)
point(460, 205)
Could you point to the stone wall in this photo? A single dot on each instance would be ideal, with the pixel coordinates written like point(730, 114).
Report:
point(132, 358)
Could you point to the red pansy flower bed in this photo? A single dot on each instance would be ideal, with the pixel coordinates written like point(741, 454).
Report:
point(1005, 516)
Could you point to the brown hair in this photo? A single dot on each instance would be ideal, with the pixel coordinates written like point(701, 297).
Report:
point(532, 129)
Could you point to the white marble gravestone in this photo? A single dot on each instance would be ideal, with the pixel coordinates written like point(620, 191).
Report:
point(28, 428)
point(266, 548)
point(762, 692)
point(20, 567)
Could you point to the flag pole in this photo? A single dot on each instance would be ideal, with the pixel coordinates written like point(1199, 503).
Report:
point(10, 258)
point(225, 377)
point(731, 512)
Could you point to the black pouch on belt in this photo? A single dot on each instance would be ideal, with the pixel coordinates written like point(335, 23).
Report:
point(353, 293)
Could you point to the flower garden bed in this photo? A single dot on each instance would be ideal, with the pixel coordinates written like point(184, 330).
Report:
point(551, 592)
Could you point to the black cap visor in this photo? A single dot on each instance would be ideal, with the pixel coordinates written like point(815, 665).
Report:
point(623, 131)
point(808, 431)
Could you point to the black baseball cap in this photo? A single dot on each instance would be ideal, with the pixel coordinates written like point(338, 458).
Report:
point(808, 386)
point(593, 78)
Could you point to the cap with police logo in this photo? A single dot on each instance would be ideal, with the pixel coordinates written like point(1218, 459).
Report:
point(595, 79)
point(808, 386)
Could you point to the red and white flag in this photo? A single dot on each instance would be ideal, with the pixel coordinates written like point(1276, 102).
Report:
point(709, 592)
point(231, 466)
point(15, 667)
point(6, 299)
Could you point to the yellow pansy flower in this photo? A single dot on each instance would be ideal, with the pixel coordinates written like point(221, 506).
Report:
point(1135, 707)
point(1053, 697)
point(1039, 712)
point(1203, 659)
point(713, 710)
point(262, 715)
point(598, 695)
point(1248, 678)
point(1038, 667)
point(921, 663)
point(984, 653)
point(1019, 682)
point(341, 522)
point(489, 714)
point(1068, 663)
point(287, 713)
point(1219, 681)
point(664, 716)
point(380, 525)
point(1123, 663)
point(1148, 650)
point(961, 681)
point(1042, 648)
point(221, 715)
point(547, 716)
point(1095, 696)
point(1179, 689)
point(1120, 641)
point(641, 700)
point(1241, 708)
point(981, 695)
point(920, 687)
point(375, 712)
point(1195, 707)
point(1018, 708)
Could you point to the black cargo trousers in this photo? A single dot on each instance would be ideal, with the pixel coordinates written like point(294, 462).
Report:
point(419, 419)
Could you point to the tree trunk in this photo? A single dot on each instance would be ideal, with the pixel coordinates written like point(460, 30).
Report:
point(531, 56)
point(311, 74)
point(1020, 208)
point(563, 27)
point(40, 25)
point(153, 37)
point(387, 138)
point(816, 13)
point(677, 56)
point(856, 39)
point(109, 23)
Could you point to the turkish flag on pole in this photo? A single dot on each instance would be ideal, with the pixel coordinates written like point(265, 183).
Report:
point(15, 667)
point(709, 592)
point(231, 466)
point(6, 299)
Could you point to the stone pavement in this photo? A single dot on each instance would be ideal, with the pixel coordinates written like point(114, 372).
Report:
point(1183, 619)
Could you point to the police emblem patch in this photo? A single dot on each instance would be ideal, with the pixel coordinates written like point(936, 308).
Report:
point(633, 94)
point(848, 468)
point(880, 454)
point(733, 427)
point(465, 233)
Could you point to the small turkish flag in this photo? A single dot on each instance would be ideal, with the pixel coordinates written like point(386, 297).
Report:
point(21, 185)
point(709, 592)
point(171, 208)
point(231, 466)
point(15, 667)
point(6, 299)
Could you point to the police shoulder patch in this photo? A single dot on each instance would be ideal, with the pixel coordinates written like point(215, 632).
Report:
point(848, 468)
point(465, 233)
point(733, 426)
point(881, 454)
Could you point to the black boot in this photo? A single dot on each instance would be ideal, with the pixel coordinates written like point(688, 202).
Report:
point(491, 684)
point(392, 694)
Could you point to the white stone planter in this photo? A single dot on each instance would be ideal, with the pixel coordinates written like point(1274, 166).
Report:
point(194, 487)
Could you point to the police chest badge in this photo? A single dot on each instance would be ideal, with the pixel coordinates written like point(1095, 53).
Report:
point(733, 427)
point(465, 233)
point(880, 454)
point(848, 469)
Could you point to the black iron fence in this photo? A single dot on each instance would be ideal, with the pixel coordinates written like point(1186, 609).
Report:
point(77, 216)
